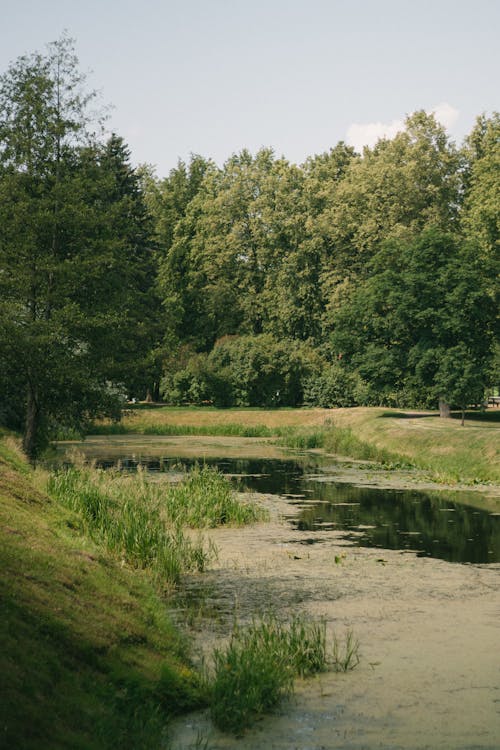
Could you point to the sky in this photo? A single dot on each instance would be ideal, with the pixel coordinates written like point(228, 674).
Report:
point(212, 77)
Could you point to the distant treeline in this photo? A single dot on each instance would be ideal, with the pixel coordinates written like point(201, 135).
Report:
point(351, 279)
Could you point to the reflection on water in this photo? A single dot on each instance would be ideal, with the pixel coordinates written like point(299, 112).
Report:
point(405, 519)
point(428, 523)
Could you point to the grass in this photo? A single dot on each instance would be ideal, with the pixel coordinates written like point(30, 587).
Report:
point(143, 521)
point(89, 658)
point(205, 499)
point(258, 666)
point(126, 517)
point(444, 449)
point(345, 655)
point(208, 421)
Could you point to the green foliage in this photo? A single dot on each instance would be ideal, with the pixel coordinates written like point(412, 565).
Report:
point(90, 657)
point(244, 371)
point(126, 516)
point(345, 656)
point(256, 670)
point(205, 499)
point(75, 266)
point(234, 429)
point(410, 330)
point(481, 212)
point(143, 521)
point(334, 386)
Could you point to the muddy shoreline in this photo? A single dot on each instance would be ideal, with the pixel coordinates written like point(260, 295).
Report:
point(428, 629)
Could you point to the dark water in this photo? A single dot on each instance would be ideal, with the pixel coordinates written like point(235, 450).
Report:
point(428, 523)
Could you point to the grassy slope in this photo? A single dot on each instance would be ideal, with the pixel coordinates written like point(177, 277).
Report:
point(89, 658)
point(443, 447)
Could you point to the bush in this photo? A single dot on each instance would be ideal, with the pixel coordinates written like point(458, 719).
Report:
point(333, 387)
point(243, 371)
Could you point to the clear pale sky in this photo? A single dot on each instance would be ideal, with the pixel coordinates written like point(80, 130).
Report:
point(215, 76)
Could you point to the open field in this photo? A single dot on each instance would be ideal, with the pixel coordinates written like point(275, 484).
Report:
point(449, 452)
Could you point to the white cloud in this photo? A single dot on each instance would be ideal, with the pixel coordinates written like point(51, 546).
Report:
point(367, 134)
point(445, 114)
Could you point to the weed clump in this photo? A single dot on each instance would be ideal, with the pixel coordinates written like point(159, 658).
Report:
point(144, 521)
point(257, 668)
point(126, 517)
point(205, 499)
point(345, 656)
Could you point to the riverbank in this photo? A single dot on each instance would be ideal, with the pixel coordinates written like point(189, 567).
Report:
point(446, 451)
point(121, 628)
point(90, 657)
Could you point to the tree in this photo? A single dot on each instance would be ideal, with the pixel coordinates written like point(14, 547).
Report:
point(394, 190)
point(419, 329)
point(480, 219)
point(129, 231)
point(63, 248)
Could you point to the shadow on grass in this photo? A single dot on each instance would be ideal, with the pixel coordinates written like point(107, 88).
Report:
point(490, 416)
point(407, 414)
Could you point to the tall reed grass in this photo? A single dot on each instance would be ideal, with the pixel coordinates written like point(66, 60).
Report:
point(206, 499)
point(127, 518)
point(257, 668)
point(144, 521)
point(166, 429)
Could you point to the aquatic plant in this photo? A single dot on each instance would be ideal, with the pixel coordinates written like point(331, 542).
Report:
point(125, 514)
point(345, 655)
point(258, 666)
point(143, 520)
point(206, 499)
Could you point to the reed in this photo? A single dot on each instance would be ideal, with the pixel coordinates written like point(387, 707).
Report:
point(257, 668)
point(205, 499)
point(143, 521)
point(126, 516)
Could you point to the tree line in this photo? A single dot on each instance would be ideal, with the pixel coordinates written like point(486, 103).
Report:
point(350, 279)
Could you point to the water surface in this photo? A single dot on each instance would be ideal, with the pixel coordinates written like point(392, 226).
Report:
point(444, 525)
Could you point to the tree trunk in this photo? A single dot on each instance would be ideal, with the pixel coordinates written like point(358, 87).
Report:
point(444, 409)
point(156, 391)
point(463, 418)
point(30, 438)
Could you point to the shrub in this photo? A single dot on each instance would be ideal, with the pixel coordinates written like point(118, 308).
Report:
point(333, 387)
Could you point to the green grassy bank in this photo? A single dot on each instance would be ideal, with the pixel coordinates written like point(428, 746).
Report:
point(89, 658)
point(443, 448)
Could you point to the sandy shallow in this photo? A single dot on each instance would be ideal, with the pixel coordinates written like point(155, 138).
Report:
point(429, 633)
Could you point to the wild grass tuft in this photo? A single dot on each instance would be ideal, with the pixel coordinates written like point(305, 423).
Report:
point(143, 520)
point(305, 438)
point(126, 516)
point(257, 668)
point(206, 499)
point(345, 655)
